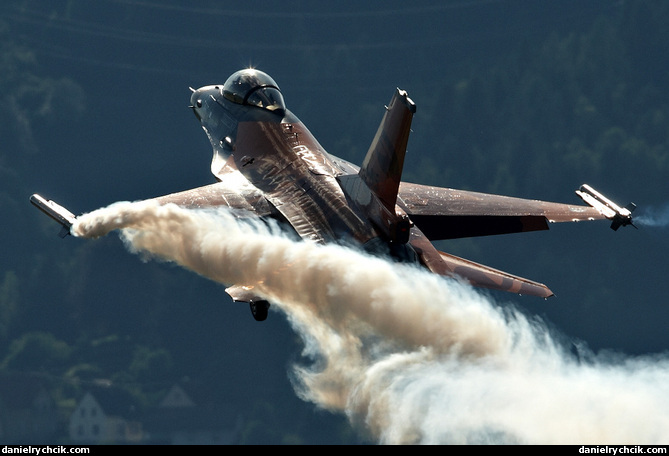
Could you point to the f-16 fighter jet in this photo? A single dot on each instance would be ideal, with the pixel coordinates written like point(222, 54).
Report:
point(269, 165)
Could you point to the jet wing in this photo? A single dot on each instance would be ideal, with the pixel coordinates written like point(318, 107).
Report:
point(233, 191)
point(444, 213)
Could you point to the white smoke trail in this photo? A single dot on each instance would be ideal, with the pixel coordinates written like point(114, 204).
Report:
point(412, 357)
point(657, 217)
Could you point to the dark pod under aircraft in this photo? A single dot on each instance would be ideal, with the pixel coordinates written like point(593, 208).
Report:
point(269, 165)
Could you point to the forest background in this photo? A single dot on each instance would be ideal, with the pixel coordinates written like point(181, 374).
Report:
point(524, 98)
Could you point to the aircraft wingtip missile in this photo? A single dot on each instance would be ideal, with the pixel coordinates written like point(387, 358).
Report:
point(54, 210)
point(619, 216)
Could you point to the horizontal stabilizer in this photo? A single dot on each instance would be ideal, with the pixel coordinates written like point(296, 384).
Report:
point(486, 277)
point(476, 274)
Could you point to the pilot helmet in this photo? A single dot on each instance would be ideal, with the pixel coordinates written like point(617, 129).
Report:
point(255, 88)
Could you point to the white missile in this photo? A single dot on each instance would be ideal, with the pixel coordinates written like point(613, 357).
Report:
point(620, 216)
point(55, 211)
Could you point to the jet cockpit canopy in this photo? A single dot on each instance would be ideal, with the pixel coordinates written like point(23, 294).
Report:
point(255, 88)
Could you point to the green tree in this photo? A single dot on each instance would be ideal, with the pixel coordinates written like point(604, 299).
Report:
point(9, 303)
point(37, 351)
point(152, 366)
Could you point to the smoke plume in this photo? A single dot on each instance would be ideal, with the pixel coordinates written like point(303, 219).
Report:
point(410, 357)
point(657, 217)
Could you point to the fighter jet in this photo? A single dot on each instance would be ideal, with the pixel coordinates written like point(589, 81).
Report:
point(269, 165)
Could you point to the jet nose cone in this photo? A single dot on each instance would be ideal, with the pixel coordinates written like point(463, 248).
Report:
point(195, 96)
point(195, 100)
point(199, 96)
point(205, 93)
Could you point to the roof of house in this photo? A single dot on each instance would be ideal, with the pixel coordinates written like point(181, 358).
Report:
point(115, 401)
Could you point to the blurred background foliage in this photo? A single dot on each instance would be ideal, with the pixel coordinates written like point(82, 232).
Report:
point(91, 112)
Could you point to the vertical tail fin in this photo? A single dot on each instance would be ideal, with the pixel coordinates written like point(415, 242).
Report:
point(382, 168)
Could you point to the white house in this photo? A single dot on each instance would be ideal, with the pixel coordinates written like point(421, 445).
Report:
point(105, 415)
